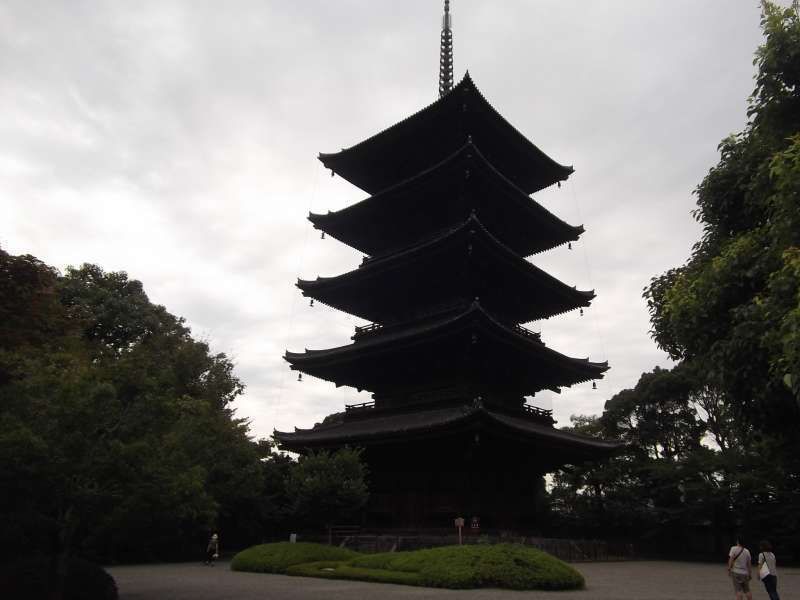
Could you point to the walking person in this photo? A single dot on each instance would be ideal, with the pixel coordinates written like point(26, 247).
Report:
point(739, 569)
point(768, 570)
point(212, 550)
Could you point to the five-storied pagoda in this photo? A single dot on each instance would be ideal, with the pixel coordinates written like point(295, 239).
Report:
point(446, 286)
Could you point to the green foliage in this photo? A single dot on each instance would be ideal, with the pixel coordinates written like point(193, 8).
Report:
point(328, 488)
point(731, 314)
point(116, 436)
point(643, 489)
point(27, 578)
point(276, 558)
point(656, 416)
point(508, 566)
point(690, 476)
point(780, 304)
point(775, 103)
point(732, 309)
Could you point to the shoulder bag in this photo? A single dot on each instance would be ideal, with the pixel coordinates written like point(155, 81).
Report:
point(733, 561)
point(763, 571)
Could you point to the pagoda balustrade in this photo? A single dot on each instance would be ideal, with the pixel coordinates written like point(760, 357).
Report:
point(527, 409)
point(367, 329)
point(537, 411)
point(373, 328)
point(359, 407)
point(529, 333)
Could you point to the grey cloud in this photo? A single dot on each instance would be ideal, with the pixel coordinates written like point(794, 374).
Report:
point(177, 140)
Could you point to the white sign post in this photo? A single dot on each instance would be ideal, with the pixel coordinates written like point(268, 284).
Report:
point(459, 525)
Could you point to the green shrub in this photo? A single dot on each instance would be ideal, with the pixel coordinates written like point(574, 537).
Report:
point(27, 579)
point(276, 558)
point(509, 566)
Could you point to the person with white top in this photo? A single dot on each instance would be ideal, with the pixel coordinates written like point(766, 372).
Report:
point(768, 570)
point(739, 561)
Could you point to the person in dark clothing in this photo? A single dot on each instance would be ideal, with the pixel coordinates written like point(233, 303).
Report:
point(212, 550)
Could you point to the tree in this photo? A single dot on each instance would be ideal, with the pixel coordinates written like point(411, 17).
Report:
point(733, 309)
point(274, 503)
point(655, 416)
point(731, 314)
point(591, 499)
point(117, 438)
point(642, 491)
point(713, 442)
point(327, 488)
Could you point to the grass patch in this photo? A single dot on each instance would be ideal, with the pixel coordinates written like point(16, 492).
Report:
point(276, 558)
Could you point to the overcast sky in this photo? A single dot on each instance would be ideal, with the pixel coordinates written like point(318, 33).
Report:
point(177, 141)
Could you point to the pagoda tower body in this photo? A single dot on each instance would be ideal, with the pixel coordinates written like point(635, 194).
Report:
point(446, 286)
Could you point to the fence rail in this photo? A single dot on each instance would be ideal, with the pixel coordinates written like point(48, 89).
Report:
point(570, 550)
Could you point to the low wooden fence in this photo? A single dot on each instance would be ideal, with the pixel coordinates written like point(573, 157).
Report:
point(583, 550)
point(571, 550)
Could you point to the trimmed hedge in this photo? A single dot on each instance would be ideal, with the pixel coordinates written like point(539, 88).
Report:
point(26, 579)
point(276, 558)
point(509, 566)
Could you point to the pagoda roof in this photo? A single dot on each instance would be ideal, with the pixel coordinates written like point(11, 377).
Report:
point(457, 265)
point(441, 196)
point(460, 345)
point(392, 427)
point(428, 136)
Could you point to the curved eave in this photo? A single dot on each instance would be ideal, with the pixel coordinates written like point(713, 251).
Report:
point(499, 248)
point(563, 297)
point(347, 161)
point(338, 222)
point(582, 370)
point(435, 423)
point(566, 170)
point(326, 224)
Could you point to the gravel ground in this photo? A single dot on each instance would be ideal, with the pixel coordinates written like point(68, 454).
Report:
point(646, 580)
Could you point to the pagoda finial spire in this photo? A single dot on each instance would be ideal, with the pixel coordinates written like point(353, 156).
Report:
point(446, 53)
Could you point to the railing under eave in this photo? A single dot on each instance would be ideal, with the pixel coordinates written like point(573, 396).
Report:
point(535, 410)
point(526, 408)
point(366, 330)
point(358, 407)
